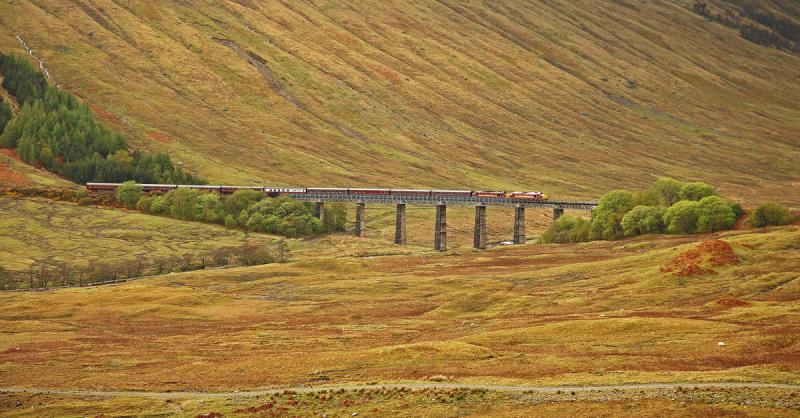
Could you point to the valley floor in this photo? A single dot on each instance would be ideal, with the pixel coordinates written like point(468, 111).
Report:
point(353, 311)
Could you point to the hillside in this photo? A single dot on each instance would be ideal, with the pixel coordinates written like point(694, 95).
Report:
point(572, 98)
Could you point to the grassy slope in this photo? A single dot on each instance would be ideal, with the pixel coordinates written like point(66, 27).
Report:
point(589, 313)
point(39, 229)
point(572, 98)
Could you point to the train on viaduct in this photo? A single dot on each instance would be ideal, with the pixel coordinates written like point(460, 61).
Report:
point(441, 199)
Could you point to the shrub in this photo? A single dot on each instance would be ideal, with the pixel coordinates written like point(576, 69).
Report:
point(240, 200)
point(208, 208)
point(567, 229)
point(144, 203)
point(714, 214)
point(606, 221)
point(159, 205)
point(696, 191)
point(230, 221)
point(769, 214)
point(666, 191)
point(183, 203)
point(682, 217)
point(128, 194)
point(643, 220)
point(281, 215)
point(736, 207)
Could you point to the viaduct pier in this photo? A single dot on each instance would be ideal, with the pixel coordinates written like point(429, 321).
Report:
point(441, 203)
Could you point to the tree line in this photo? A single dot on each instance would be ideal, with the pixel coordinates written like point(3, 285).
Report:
point(755, 25)
point(669, 206)
point(54, 130)
point(48, 273)
point(247, 209)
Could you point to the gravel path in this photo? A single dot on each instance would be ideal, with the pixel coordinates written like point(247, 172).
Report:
point(308, 389)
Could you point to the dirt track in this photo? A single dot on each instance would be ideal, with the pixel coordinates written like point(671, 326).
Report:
point(307, 389)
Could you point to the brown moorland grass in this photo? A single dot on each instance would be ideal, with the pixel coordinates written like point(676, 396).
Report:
point(572, 98)
point(38, 230)
point(333, 315)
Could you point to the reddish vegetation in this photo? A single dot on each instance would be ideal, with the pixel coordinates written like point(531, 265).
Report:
point(210, 415)
point(9, 152)
point(732, 303)
point(695, 262)
point(10, 177)
point(104, 114)
point(160, 137)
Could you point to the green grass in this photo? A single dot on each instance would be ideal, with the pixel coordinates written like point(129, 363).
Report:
point(510, 96)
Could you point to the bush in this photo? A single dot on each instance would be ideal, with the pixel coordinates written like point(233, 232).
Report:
point(128, 194)
point(606, 221)
point(240, 200)
point(281, 215)
point(696, 191)
point(666, 191)
point(183, 203)
point(159, 205)
point(208, 208)
point(736, 207)
point(230, 221)
point(567, 229)
point(682, 217)
point(144, 203)
point(643, 220)
point(769, 214)
point(714, 214)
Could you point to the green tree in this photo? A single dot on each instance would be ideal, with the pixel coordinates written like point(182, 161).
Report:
point(643, 220)
point(128, 194)
point(5, 115)
point(209, 208)
point(666, 191)
point(241, 200)
point(682, 217)
point(714, 214)
point(769, 214)
point(567, 229)
point(696, 191)
point(607, 218)
point(159, 205)
point(183, 204)
point(144, 203)
point(255, 222)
